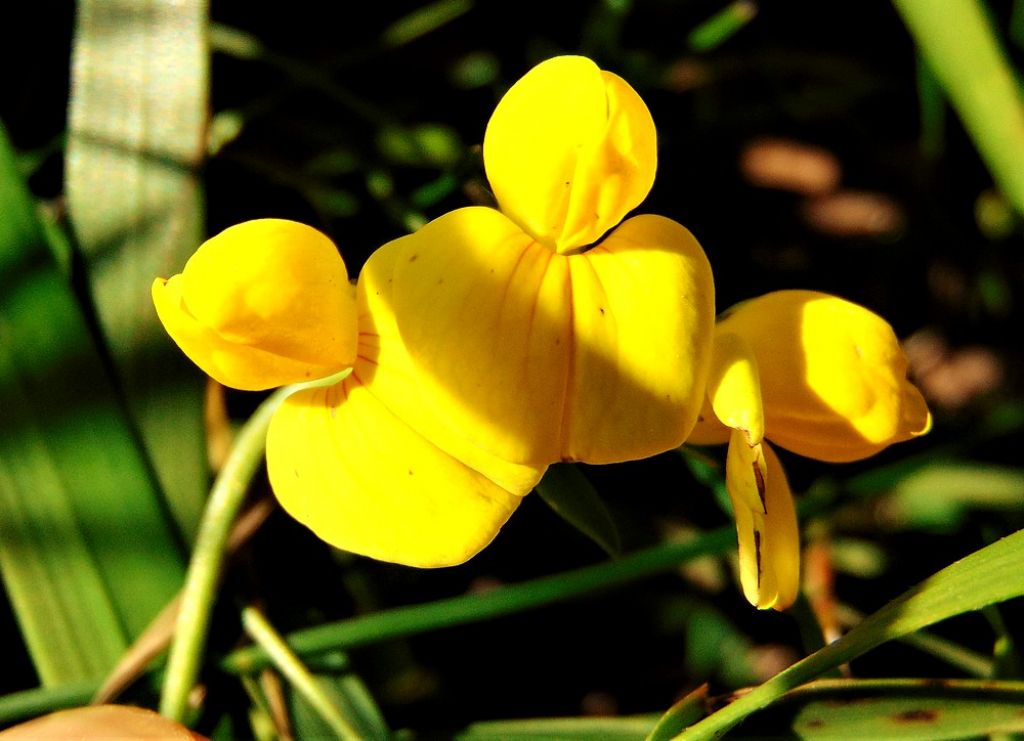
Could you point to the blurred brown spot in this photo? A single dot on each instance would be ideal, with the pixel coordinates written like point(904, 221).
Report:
point(951, 379)
point(851, 213)
point(770, 659)
point(917, 716)
point(948, 283)
point(687, 74)
point(599, 704)
point(790, 165)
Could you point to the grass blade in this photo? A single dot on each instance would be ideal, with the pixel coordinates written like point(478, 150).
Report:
point(987, 576)
point(137, 133)
point(961, 48)
point(84, 547)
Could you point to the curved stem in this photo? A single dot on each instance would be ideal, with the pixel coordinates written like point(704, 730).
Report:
point(226, 498)
point(261, 631)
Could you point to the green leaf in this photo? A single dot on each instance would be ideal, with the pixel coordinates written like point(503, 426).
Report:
point(86, 553)
point(137, 132)
point(962, 50)
point(558, 729)
point(900, 709)
point(573, 498)
point(987, 576)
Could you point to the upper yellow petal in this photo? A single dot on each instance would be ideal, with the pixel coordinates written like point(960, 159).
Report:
point(569, 151)
point(537, 357)
point(833, 376)
point(346, 467)
point(643, 313)
point(483, 311)
point(262, 304)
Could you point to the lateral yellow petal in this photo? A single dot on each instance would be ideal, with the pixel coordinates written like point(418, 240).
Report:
point(383, 363)
point(264, 303)
point(643, 314)
point(361, 479)
point(769, 541)
point(483, 311)
point(833, 377)
point(782, 546)
point(569, 151)
point(746, 473)
point(734, 386)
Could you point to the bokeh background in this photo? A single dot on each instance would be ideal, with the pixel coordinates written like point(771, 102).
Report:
point(805, 148)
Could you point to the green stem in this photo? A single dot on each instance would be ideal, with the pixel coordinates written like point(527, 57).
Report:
point(261, 631)
point(470, 608)
point(30, 703)
point(226, 498)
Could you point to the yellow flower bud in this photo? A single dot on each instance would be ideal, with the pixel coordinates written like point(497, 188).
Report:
point(833, 376)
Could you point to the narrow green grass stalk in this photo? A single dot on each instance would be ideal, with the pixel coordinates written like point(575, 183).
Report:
point(961, 48)
point(19, 706)
point(261, 631)
point(470, 608)
point(226, 498)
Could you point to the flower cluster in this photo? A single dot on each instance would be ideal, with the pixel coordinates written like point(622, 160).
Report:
point(492, 343)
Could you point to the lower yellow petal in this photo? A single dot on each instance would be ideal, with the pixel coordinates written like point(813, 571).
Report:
point(769, 540)
point(643, 313)
point(361, 479)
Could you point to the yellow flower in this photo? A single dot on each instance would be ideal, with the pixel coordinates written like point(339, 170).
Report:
point(817, 375)
point(268, 303)
point(482, 348)
point(543, 331)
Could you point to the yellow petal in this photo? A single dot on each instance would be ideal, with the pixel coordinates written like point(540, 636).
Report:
point(833, 376)
point(746, 473)
point(361, 479)
point(383, 362)
point(643, 313)
point(262, 304)
point(483, 310)
point(537, 357)
point(769, 542)
point(734, 386)
point(569, 151)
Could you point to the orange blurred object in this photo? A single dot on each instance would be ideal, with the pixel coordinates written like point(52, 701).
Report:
point(786, 164)
point(100, 723)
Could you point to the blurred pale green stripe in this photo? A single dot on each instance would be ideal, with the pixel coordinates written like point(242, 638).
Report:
point(990, 575)
point(627, 728)
point(85, 548)
point(722, 26)
point(959, 44)
point(137, 128)
point(423, 20)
